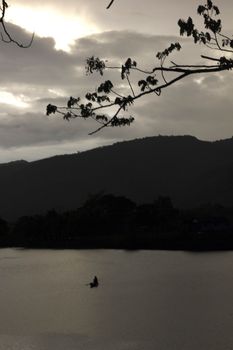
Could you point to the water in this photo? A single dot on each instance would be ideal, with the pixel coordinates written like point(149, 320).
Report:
point(146, 300)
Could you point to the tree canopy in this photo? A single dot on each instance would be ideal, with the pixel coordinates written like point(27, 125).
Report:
point(110, 107)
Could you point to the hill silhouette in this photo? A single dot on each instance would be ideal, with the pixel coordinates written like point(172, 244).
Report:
point(191, 172)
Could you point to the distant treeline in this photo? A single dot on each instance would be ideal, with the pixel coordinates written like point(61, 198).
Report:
point(108, 221)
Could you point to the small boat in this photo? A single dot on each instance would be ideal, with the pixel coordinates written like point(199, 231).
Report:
point(95, 283)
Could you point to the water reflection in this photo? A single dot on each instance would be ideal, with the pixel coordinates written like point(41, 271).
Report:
point(146, 300)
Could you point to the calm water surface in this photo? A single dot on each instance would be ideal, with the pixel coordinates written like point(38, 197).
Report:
point(146, 300)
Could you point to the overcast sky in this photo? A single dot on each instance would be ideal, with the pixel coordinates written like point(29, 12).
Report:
point(53, 69)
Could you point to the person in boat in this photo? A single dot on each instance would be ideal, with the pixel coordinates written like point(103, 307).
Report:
point(95, 282)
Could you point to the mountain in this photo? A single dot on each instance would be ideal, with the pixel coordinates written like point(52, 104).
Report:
point(190, 171)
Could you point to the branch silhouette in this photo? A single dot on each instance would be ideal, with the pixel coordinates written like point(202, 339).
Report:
point(110, 4)
point(5, 35)
point(153, 81)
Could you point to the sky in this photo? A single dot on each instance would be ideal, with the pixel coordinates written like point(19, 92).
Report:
point(53, 68)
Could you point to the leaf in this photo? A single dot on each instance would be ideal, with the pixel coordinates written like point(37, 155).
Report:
point(128, 63)
point(189, 26)
point(118, 101)
point(101, 117)
point(151, 80)
point(67, 116)
point(142, 84)
point(72, 101)
point(201, 9)
point(159, 55)
point(89, 96)
point(203, 40)
point(209, 4)
point(89, 105)
point(105, 87)
point(217, 12)
point(123, 72)
point(178, 46)
point(208, 37)
point(51, 109)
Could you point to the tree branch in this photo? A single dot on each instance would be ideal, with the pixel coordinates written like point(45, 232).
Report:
point(106, 97)
point(185, 74)
point(9, 38)
point(110, 4)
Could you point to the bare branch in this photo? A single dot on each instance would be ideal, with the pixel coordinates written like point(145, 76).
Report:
point(8, 38)
point(127, 77)
point(108, 123)
point(110, 4)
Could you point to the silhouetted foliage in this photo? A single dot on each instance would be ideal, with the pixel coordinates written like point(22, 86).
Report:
point(105, 214)
point(4, 231)
point(108, 221)
point(154, 81)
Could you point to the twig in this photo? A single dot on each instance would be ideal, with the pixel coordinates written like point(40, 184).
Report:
point(10, 39)
point(110, 4)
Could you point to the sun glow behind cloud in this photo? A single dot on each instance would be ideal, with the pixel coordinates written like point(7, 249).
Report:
point(47, 22)
point(10, 99)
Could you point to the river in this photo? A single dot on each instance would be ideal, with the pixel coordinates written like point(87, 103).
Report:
point(160, 300)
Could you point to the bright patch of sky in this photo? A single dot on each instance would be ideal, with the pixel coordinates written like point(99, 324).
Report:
point(10, 99)
point(46, 22)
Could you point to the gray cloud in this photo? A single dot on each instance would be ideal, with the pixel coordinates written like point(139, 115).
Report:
point(200, 109)
point(148, 16)
point(32, 65)
point(43, 75)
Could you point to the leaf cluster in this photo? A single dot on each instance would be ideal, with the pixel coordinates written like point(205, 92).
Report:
point(94, 97)
point(227, 63)
point(107, 97)
point(105, 87)
point(150, 81)
point(227, 42)
point(125, 68)
point(101, 117)
point(124, 101)
point(168, 51)
point(51, 109)
point(122, 121)
point(72, 101)
point(94, 64)
point(208, 12)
